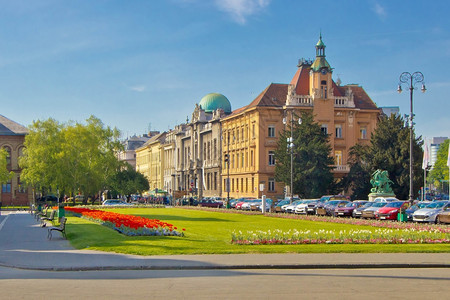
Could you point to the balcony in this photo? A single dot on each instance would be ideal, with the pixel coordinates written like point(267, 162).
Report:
point(343, 102)
point(300, 100)
point(341, 168)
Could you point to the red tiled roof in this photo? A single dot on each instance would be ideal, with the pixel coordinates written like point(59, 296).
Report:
point(301, 80)
point(272, 96)
point(361, 99)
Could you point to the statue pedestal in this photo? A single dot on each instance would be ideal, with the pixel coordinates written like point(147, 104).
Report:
point(372, 196)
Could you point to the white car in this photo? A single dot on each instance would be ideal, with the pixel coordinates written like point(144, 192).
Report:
point(386, 199)
point(302, 208)
point(291, 207)
point(429, 213)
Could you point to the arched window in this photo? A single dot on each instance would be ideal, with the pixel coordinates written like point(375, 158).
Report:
point(8, 156)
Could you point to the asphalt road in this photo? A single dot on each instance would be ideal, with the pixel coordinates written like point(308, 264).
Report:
point(227, 284)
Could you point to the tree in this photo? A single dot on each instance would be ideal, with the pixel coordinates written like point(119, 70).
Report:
point(5, 175)
point(440, 170)
point(388, 150)
point(128, 181)
point(312, 159)
point(71, 158)
point(358, 179)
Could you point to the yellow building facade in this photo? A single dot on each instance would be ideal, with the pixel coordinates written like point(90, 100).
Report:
point(150, 161)
point(251, 133)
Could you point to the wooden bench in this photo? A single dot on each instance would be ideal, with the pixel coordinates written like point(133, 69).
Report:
point(61, 228)
point(40, 214)
point(50, 218)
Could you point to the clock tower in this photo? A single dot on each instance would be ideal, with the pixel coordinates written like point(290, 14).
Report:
point(320, 75)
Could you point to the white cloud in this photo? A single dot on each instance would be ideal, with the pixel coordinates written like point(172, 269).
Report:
point(379, 11)
point(138, 88)
point(240, 10)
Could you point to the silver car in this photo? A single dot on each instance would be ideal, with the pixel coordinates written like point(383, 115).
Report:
point(429, 213)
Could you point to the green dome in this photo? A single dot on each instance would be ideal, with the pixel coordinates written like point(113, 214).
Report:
point(214, 101)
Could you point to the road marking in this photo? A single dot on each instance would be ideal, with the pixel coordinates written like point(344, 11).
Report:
point(4, 221)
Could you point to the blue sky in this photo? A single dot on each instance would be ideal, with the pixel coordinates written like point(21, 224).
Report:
point(144, 64)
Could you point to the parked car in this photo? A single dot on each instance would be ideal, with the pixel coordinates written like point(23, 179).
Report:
point(347, 210)
point(369, 213)
point(115, 202)
point(291, 207)
point(429, 213)
point(280, 204)
point(269, 205)
point(357, 212)
point(210, 203)
point(443, 216)
point(328, 208)
point(302, 208)
point(385, 199)
point(333, 204)
point(410, 210)
point(390, 210)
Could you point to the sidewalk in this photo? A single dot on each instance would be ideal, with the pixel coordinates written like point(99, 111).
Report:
point(24, 244)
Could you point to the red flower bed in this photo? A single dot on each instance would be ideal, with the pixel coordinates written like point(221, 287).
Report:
point(126, 224)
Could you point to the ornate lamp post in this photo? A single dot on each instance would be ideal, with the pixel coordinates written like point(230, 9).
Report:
point(411, 80)
point(290, 146)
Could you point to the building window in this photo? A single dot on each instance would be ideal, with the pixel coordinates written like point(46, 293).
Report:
point(363, 132)
point(246, 185)
point(215, 181)
point(339, 131)
point(338, 157)
point(242, 134)
point(271, 131)
point(242, 184)
point(6, 187)
point(242, 160)
point(253, 131)
point(237, 160)
point(271, 185)
point(271, 158)
point(8, 156)
point(215, 149)
point(237, 135)
point(253, 184)
point(324, 128)
point(251, 158)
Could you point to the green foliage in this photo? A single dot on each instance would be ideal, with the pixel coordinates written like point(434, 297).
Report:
point(440, 170)
point(5, 175)
point(128, 181)
point(72, 158)
point(312, 159)
point(388, 150)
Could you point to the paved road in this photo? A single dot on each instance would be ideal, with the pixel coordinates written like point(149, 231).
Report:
point(227, 284)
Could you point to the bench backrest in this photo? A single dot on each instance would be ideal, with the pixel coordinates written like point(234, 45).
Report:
point(62, 222)
point(52, 214)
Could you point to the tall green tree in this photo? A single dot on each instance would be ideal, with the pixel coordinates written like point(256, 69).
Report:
point(358, 179)
point(439, 173)
point(128, 181)
point(389, 150)
point(5, 175)
point(312, 159)
point(72, 158)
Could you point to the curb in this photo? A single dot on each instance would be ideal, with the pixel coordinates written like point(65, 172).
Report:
point(237, 267)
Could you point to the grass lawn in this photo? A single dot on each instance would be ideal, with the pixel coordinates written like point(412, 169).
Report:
point(209, 232)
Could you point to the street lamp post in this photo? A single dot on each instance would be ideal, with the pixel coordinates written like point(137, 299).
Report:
point(411, 80)
point(290, 146)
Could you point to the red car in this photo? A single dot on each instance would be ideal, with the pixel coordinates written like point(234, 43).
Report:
point(390, 210)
